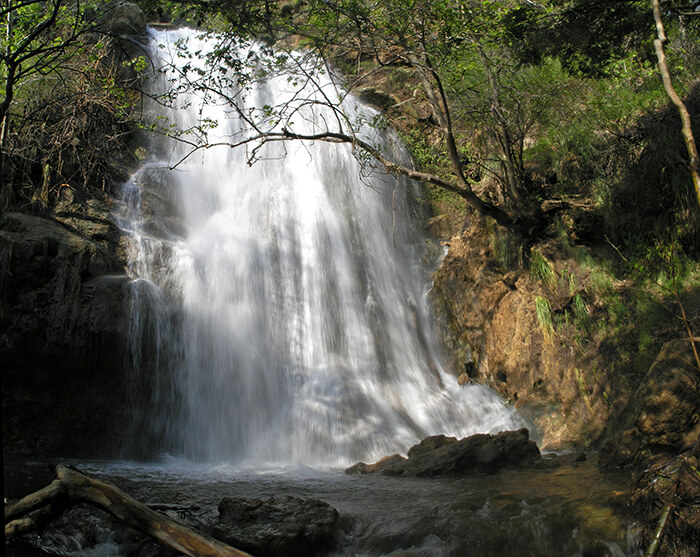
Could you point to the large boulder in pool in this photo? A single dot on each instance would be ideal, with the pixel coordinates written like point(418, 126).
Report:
point(277, 526)
point(446, 456)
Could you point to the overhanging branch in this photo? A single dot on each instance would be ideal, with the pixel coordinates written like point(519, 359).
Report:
point(392, 167)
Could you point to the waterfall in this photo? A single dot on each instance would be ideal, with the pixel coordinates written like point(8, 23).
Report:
point(279, 309)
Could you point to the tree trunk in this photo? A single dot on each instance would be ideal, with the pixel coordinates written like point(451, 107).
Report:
point(441, 109)
point(5, 187)
point(686, 129)
point(512, 173)
point(73, 487)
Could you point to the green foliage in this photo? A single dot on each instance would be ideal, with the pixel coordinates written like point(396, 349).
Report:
point(619, 143)
point(654, 200)
point(597, 274)
point(38, 37)
point(246, 17)
point(541, 269)
point(582, 387)
point(584, 34)
point(582, 315)
point(568, 280)
point(429, 158)
point(597, 114)
point(500, 248)
point(68, 105)
point(543, 312)
point(440, 200)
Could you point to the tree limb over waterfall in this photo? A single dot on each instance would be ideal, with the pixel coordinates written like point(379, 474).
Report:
point(394, 36)
point(72, 487)
point(392, 167)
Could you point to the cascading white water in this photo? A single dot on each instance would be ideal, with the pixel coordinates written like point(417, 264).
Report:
point(279, 309)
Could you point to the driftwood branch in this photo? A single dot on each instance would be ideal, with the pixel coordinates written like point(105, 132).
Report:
point(71, 487)
point(33, 521)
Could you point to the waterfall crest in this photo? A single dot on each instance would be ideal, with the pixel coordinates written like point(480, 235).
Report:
point(279, 309)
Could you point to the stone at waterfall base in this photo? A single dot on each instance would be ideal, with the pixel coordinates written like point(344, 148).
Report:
point(446, 456)
point(277, 526)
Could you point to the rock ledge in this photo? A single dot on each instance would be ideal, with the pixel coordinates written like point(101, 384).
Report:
point(446, 456)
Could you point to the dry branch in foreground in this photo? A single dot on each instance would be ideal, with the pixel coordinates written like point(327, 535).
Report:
point(71, 487)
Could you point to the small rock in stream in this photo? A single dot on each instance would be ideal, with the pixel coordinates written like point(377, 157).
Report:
point(277, 526)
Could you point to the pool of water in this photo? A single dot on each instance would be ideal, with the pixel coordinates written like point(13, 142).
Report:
point(573, 510)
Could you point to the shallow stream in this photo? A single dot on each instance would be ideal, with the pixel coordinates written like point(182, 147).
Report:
point(573, 510)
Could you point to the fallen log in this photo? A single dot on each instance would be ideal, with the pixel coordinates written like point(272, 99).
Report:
point(71, 486)
point(26, 524)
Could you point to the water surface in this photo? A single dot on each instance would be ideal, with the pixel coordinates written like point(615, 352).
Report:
point(573, 510)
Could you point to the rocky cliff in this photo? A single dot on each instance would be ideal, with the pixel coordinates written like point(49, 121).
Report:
point(63, 289)
point(63, 317)
point(546, 338)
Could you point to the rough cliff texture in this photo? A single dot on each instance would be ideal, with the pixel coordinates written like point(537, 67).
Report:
point(62, 321)
point(492, 330)
point(568, 374)
point(663, 418)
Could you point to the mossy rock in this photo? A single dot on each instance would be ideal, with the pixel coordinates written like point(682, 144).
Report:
point(664, 415)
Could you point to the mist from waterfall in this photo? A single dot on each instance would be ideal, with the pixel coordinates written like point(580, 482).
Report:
point(279, 309)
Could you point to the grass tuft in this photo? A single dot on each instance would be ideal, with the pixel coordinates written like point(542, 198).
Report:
point(542, 270)
point(543, 310)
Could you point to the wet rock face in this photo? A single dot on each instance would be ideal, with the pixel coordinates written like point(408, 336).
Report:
point(490, 325)
point(491, 329)
point(277, 526)
point(62, 320)
point(446, 456)
point(664, 415)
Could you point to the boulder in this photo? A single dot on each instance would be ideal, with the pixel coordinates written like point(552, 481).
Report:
point(393, 465)
point(430, 444)
point(277, 526)
point(446, 456)
point(120, 18)
point(663, 417)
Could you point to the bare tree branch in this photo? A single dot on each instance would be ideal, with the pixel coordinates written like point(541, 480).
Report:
point(686, 129)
